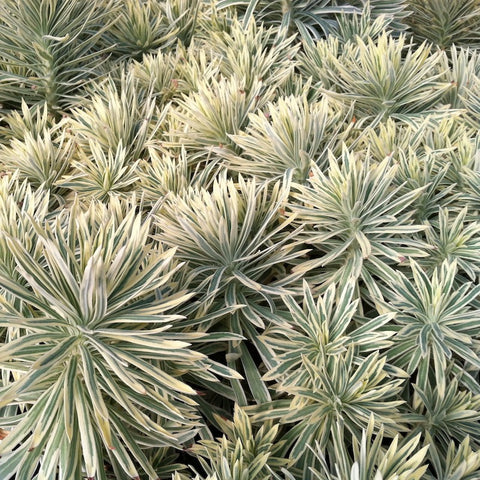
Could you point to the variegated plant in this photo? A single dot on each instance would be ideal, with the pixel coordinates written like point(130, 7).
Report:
point(239, 240)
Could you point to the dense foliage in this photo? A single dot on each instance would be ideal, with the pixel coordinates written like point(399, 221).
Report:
point(239, 240)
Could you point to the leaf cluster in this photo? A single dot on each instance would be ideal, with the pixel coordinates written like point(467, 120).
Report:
point(239, 240)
